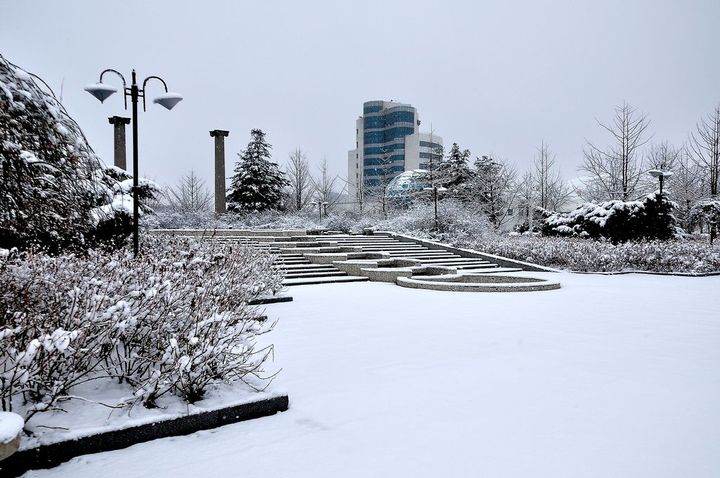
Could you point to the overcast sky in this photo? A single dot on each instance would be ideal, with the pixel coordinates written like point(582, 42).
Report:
point(495, 76)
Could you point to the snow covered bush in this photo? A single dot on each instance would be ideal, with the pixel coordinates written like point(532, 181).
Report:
point(649, 218)
point(174, 320)
point(55, 192)
point(457, 221)
point(707, 212)
point(691, 256)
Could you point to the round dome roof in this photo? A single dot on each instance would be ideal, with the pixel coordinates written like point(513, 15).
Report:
point(408, 182)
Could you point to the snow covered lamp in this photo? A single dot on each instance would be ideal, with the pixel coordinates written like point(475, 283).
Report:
point(101, 91)
point(661, 175)
point(168, 100)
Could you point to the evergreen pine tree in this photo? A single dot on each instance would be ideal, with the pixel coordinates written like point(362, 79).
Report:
point(454, 171)
point(258, 183)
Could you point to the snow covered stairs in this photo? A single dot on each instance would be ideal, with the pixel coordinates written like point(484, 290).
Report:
point(300, 271)
point(308, 259)
point(411, 250)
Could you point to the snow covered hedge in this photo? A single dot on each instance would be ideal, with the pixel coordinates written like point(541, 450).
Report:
point(683, 255)
point(649, 218)
point(55, 192)
point(173, 321)
point(456, 222)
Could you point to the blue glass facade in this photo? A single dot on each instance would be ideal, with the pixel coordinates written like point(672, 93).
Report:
point(385, 127)
point(428, 144)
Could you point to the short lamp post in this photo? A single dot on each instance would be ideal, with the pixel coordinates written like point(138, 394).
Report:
point(320, 205)
point(661, 175)
point(435, 190)
point(102, 91)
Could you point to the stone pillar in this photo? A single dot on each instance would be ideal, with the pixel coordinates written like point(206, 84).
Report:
point(219, 136)
point(120, 155)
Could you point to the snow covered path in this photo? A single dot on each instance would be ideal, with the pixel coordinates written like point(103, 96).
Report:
point(610, 376)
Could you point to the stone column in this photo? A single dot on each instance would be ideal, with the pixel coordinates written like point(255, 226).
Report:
point(219, 136)
point(120, 155)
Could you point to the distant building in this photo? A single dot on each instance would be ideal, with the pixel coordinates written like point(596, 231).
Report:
point(387, 142)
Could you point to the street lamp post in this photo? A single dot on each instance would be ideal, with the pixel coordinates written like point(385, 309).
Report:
point(435, 190)
point(168, 100)
point(320, 205)
point(661, 175)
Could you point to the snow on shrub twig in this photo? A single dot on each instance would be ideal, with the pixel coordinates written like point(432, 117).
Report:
point(174, 320)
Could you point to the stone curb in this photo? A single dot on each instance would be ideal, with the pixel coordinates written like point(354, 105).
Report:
point(650, 273)
point(48, 456)
point(271, 300)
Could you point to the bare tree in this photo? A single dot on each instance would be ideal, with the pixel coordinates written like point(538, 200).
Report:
point(662, 156)
point(686, 186)
point(189, 195)
point(493, 188)
point(552, 192)
point(298, 175)
point(705, 145)
point(324, 187)
point(375, 187)
point(525, 197)
point(614, 172)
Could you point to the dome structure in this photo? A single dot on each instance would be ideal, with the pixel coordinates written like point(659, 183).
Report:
point(408, 184)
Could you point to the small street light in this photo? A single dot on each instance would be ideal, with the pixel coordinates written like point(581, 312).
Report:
point(168, 100)
point(661, 175)
point(320, 205)
point(435, 190)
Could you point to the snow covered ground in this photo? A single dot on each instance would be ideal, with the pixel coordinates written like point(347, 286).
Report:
point(607, 377)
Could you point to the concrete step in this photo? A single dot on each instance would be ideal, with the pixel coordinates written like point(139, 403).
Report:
point(427, 254)
point(494, 270)
point(324, 280)
point(459, 265)
point(392, 248)
point(292, 267)
point(298, 275)
point(456, 259)
point(289, 272)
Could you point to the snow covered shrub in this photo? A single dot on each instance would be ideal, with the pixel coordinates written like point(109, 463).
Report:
point(706, 211)
point(649, 218)
point(578, 254)
point(184, 220)
point(344, 221)
point(174, 320)
point(55, 192)
point(456, 221)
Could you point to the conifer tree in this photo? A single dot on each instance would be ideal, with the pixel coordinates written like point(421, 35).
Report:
point(257, 184)
point(454, 171)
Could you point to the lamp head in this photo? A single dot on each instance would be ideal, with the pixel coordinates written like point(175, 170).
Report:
point(656, 173)
point(168, 100)
point(101, 91)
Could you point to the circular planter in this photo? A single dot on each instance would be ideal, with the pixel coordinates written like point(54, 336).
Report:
point(478, 283)
point(11, 425)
